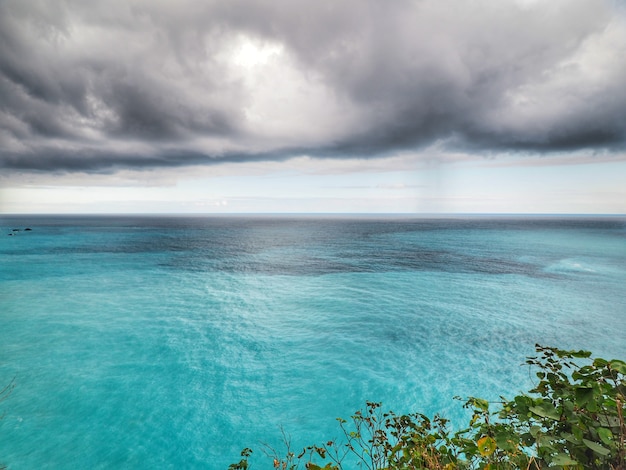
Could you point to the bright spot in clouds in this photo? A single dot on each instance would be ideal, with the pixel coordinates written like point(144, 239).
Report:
point(250, 53)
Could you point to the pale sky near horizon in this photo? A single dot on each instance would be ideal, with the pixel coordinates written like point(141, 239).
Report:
point(237, 106)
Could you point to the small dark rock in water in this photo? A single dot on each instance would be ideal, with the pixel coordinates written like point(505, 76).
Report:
point(27, 229)
point(10, 234)
point(16, 230)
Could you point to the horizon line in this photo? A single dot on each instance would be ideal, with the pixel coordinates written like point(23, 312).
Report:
point(331, 214)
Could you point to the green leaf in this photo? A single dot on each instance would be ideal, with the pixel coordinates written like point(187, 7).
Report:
point(570, 438)
point(610, 421)
point(597, 448)
point(479, 403)
point(599, 362)
point(563, 459)
point(619, 366)
point(545, 441)
point(584, 395)
point(312, 466)
point(506, 443)
point(578, 433)
point(581, 353)
point(545, 410)
point(605, 435)
point(568, 407)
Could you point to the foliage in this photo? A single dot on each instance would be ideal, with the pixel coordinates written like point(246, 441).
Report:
point(573, 418)
point(243, 463)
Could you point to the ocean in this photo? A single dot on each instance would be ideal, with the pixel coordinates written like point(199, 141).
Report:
point(147, 342)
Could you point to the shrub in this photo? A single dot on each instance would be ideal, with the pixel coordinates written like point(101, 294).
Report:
point(573, 418)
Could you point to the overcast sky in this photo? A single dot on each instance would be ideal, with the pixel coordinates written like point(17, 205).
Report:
point(313, 106)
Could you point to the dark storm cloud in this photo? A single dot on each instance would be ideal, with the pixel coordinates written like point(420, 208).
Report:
point(97, 87)
point(105, 162)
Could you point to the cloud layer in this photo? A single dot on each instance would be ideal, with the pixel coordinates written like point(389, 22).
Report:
point(99, 87)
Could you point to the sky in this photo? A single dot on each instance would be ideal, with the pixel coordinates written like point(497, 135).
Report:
point(264, 106)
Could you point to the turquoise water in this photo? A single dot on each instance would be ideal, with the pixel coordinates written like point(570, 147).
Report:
point(155, 342)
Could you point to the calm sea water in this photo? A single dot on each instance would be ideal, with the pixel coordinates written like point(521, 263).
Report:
point(153, 342)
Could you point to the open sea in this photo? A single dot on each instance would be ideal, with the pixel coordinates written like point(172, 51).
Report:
point(174, 342)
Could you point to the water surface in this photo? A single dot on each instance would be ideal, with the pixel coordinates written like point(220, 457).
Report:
point(173, 342)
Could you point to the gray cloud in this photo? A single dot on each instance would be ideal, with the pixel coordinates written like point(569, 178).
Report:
point(87, 87)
